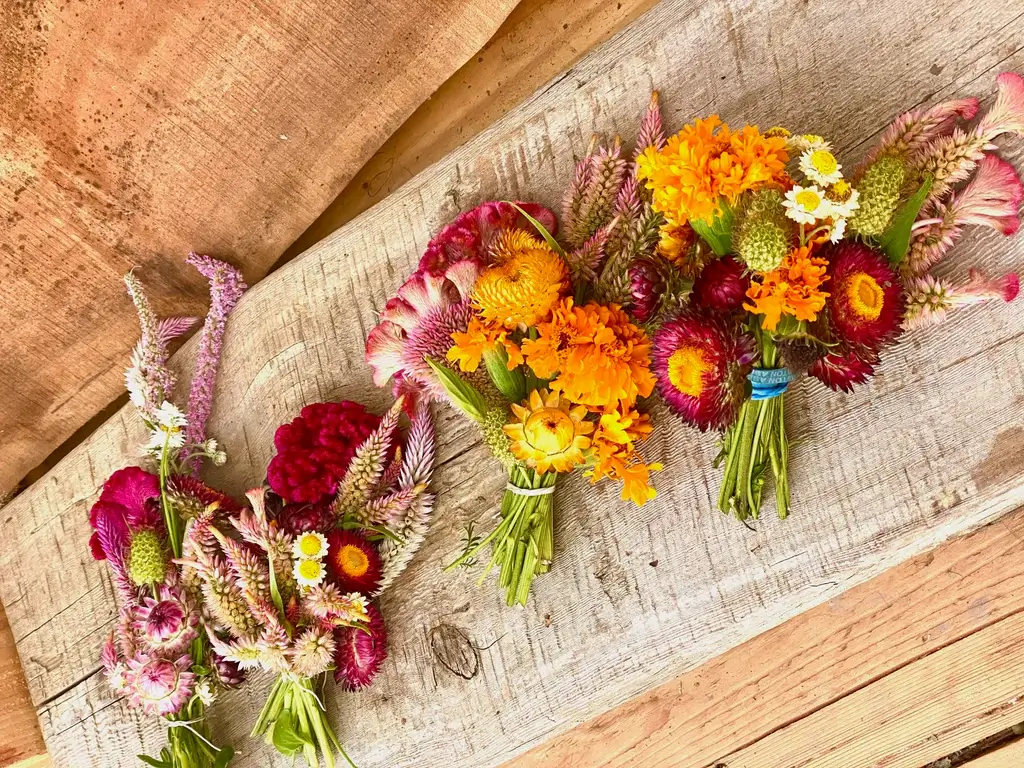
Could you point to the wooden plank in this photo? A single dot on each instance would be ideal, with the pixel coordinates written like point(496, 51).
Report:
point(136, 132)
point(893, 621)
point(20, 737)
point(1009, 756)
point(878, 476)
point(539, 40)
point(918, 714)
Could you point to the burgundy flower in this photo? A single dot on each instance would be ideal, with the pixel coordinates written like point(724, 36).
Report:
point(314, 450)
point(647, 285)
point(866, 302)
point(353, 562)
point(842, 371)
point(300, 518)
point(722, 285)
point(470, 235)
point(360, 651)
point(191, 497)
point(130, 501)
point(702, 362)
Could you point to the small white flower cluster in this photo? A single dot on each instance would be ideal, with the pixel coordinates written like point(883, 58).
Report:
point(168, 429)
point(827, 199)
point(310, 549)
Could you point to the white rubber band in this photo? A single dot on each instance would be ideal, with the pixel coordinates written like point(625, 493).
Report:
point(529, 491)
point(188, 724)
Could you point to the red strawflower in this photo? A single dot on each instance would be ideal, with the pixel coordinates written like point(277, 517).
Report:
point(843, 371)
point(314, 450)
point(353, 562)
point(300, 518)
point(702, 361)
point(722, 285)
point(360, 652)
point(647, 285)
point(866, 302)
point(471, 234)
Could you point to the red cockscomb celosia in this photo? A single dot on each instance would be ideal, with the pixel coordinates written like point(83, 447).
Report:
point(866, 303)
point(314, 450)
point(701, 362)
point(360, 651)
point(353, 563)
point(843, 371)
point(722, 285)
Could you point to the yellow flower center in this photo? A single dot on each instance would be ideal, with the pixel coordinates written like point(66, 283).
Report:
point(840, 191)
point(808, 199)
point(310, 569)
point(549, 430)
point(686, 369)
point(866, 296)
point(812, 138)
point(310, 545)
point(353, 560)
point(824, 162)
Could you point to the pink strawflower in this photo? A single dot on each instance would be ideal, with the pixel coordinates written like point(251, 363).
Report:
point(471, 234)
point(226, 288)
point(168, 622)
point(865, 304)
point(418, 324)
point(931, 299)
point(360, 651)
point(159, 686)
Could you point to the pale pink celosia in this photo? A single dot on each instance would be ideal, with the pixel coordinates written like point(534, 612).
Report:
point(991, 199)
point(226, 288)
point(591, 199)
point(652, 132)
point(912, 130)
point(931, 299)
point(159, 686)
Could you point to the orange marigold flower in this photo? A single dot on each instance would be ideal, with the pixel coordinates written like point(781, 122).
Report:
point(526, 280)
point(479, 337)
point(594, 355)
point(549, 432)
point(793, 289)
point(614, 455)
point(707, 162)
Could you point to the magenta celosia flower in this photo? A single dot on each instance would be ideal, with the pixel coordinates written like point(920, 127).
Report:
point(360, 651)
point(159, 686)
point(865, 305)
point(314, 450)
point(130, 501)
point(722, 285)
point(470, 236)
point(843, 371)
point(931, 299)
point(226, 288)
point(702, 361)
point(168, 622)
point(418, 323)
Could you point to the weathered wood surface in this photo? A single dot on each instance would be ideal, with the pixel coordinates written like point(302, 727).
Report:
point(1010, 756)
point(132, 133)
point(780, 679)
point(20, 737)
point(933, 447)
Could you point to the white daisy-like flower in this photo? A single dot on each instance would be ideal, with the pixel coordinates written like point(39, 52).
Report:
point(169, 417)
point(136, 386)
point(806, 205)
point(838, 230)
point(845, 207)
point(310, 545)
point(309, 573)
point(806, 141)
point(169, 429)
point(159, 438)
point(820, 166)
point(205, 692)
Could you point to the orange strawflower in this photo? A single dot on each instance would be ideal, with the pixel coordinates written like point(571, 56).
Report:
point(526, 280)
point(549, 433)
point(792, 289)
point(594, 355)
point(470, 345)
point(707, 162)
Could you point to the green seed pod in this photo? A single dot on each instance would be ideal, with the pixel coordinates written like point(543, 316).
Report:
point(880, 190)
point(146, 563)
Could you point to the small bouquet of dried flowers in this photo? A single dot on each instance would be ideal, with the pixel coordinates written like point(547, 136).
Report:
point(159, 657)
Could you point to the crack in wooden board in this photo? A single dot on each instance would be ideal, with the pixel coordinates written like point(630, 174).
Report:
point(878, 476)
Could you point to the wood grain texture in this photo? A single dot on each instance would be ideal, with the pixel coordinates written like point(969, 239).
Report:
point(132, 133)
point(1009, 756)
point(539, 40)
point(20, 737)
point(772, 682)
point(932, 448)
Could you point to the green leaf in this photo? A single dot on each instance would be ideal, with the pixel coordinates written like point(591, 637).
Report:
point(718, 232)
point(275, 591)
point(540, 228)
point(895, 241)
point(512, 384)
point(154, 762)
point(286, 738)
point(224, 757)
point(465, 395)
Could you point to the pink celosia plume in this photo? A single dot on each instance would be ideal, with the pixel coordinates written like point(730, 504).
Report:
point(931, 299)
point(912, 130)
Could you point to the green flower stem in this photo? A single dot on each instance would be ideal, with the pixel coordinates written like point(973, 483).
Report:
point(171, 519)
